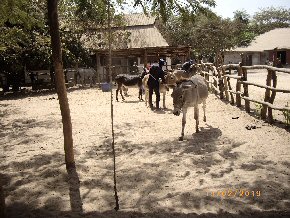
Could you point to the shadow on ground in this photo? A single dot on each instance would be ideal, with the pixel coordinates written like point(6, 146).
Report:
point(145, 183)
point(276, 123)
point(33, 93)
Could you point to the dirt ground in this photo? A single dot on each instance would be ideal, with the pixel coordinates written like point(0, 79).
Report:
point(225, 170)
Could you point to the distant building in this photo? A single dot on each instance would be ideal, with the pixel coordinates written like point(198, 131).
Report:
point(268, 47)
point(144, 44)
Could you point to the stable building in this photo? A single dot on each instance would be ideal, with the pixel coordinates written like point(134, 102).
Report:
point(138, 41)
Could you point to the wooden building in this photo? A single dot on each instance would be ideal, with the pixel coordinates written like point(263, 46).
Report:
point(137, 41)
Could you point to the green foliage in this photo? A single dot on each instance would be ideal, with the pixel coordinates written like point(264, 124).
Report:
point(25, 40)
point(270, 18)
point(74, 52)
point(242, 30)
point(258, 109)
point(186, 9)
point(207, 33)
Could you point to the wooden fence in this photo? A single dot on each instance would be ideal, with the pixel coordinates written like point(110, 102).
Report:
point(221, 85)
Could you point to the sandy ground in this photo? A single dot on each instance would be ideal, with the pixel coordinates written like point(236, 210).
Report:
point(224, 170)
point(259, 77)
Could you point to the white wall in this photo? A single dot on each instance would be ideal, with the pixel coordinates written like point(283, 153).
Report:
point(256, 59)
point(232, 57)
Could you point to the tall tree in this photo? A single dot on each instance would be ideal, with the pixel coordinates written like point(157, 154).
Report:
point(242, 29)
point(207, 33)
point(187, 9)
point(60, 82)
point(270, 18)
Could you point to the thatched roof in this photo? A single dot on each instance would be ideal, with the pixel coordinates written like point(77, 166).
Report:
point(161, 51)
point(139, 29)
point(277, 38)
point(138, 19)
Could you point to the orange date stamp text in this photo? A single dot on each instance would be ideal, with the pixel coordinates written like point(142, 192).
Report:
point(233, 193)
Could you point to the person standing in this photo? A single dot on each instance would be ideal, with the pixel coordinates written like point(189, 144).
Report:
point(155, 75)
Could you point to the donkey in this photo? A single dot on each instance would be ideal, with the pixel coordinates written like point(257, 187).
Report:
point(190, 93)
point(128, 80)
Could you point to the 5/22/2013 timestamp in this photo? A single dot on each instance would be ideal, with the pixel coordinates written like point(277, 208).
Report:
point(233, 193)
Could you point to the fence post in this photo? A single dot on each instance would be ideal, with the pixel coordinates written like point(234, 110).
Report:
point(267, 95)
point(225, 84)
point(238, 87)
point(246, 90)
point(220, 82)
point(230, 87)
point(214, 82)
point(272, 97)
point(207, 75)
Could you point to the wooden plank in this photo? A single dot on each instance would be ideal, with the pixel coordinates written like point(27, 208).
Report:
point(266, 87)
point(267, 104)
point(207, 73)
point(233, 77)
point(216, 89)
point(283, 70)
point(215, 78)
point(231, 66)
point(234, 92)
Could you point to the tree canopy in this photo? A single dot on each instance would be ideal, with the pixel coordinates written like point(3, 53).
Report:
point(270, 18)
point(24, 35)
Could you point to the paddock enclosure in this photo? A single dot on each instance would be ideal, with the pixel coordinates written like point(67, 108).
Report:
point(226, 169)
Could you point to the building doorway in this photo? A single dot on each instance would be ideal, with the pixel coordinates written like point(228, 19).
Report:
point(282, 57)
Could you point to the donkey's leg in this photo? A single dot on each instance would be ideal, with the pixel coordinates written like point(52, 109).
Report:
point(196, 116)
point(184, 111)
point(146, 95)
point(121, 92)
point(164, 94)
point(140, 93)
point(204, 107)
point(117, 90)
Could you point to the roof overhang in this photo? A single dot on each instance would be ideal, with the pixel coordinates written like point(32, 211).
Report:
point(149, 51)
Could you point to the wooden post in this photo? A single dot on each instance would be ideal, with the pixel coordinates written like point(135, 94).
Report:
point(272, 97)
point(145, 58)
point(220, 83)
point(238, 87)
point(267, 95)
point(246, 90)
point(231, 94)
point(208, 70)
point(98, 73)
point(230, 87)
point(214, 81)
point(225, 84)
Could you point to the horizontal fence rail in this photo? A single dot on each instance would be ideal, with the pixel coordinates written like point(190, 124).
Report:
point(218, 79)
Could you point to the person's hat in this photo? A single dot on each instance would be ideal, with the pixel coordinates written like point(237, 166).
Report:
point(161, 61)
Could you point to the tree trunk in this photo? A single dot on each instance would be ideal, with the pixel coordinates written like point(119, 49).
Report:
point(60, 84)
